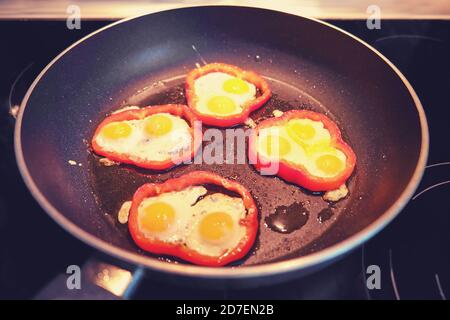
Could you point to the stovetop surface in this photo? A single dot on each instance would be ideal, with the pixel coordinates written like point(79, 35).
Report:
point(412, 252)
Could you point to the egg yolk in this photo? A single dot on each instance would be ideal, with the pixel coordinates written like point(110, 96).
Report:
point(276, 145)
point(329, 164)
point(158, 125)
point(300, 131)
point(215, 226)
point(221, 105)
point(117, 130)
point(157, 217)
point(236, 86)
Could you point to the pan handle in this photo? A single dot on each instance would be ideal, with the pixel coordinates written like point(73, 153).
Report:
point(99, 280)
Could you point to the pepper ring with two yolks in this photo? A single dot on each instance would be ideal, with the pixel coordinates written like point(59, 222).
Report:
point(178, 218)
point(223, 95)
point(305, 148)
point(155, 137)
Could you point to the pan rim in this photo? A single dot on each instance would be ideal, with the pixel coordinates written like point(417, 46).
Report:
point(268, 269)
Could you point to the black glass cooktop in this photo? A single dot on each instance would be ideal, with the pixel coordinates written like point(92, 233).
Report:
point(412, 253)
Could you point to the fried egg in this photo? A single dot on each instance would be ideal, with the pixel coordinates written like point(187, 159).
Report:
point(216, 226)
point(302, 142)
point(221, 94)
point(308, 133)
point(157, 137)
point(168, 216)
point(209, 226)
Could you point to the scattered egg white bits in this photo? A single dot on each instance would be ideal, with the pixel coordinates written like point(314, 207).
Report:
point(158, 137)
point(124, 212)
point(336, 195)
point(302, 142)
point(210, 226)
point(107, 162)
point(222, 94)
point(277, 113)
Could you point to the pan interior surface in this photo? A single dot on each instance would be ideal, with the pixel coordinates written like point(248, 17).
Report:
point(143, 61)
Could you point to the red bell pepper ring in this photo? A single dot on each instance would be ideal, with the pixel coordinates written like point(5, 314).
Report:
point(250, 222)
point(247, 108)
point(297, 173)
point(142, 113)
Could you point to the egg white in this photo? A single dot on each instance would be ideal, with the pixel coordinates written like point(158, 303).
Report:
point(298, 154)
point(211, 85)
point(139, 145)
point(188, 215)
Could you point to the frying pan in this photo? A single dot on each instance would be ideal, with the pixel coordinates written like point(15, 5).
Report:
point(142, 61)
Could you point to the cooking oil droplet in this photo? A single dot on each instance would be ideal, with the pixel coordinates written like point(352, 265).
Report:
point(325, 215)
point(287, 219)
point(258, 58)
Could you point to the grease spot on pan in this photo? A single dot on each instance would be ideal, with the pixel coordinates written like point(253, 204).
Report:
point(325, 214)
point(287, 219)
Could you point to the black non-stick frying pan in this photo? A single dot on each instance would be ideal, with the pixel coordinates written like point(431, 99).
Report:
point(142, 61)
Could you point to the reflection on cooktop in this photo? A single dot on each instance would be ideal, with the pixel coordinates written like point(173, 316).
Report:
point(412, 252)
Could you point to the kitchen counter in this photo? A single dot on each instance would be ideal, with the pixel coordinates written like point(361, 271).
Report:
point(322, 9)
